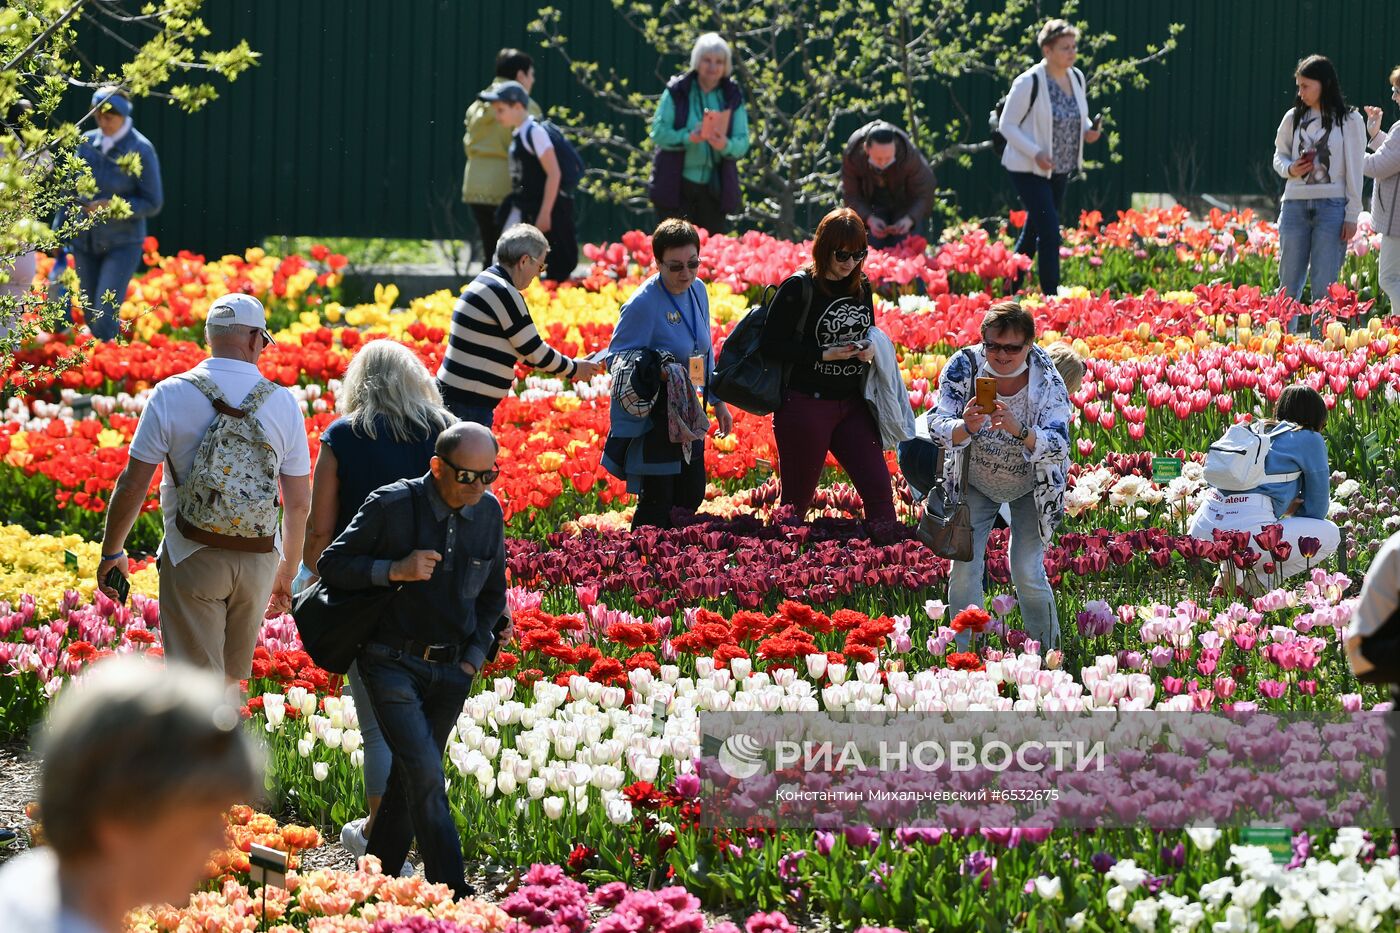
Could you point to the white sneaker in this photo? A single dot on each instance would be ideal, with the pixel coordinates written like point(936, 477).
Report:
point(352, 837)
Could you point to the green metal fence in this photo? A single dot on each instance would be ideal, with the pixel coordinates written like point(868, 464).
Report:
point(352, 124)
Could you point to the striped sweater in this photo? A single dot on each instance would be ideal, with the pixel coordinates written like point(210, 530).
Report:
point(491, 331)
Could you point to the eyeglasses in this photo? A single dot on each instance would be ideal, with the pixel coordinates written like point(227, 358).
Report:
point(467, 477)
point(676, 267)
point(842, 255)
point(1007, 348)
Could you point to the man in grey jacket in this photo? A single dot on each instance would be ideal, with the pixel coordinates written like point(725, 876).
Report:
point(441, 539)
point(887, 181)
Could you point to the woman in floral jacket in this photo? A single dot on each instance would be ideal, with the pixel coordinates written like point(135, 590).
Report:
point(1016, 454)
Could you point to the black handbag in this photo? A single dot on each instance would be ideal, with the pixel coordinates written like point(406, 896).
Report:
point(743, 376)
point(950, 536)
point(335, 624)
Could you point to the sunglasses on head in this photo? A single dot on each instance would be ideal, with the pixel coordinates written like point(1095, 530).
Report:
point(1003, 347)
point(692, 265)
point(844, 255)
point(467, 477)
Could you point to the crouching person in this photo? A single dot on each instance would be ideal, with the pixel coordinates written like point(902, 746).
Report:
point(441, 539)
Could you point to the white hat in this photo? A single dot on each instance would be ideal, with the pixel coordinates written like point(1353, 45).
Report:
point(237, 308)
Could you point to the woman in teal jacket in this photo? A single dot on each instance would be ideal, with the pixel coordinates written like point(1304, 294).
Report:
point(695, 175)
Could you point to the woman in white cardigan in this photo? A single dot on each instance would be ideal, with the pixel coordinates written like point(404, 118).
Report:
point(1046, 123)
point(1383, 164)
point(1319, 147)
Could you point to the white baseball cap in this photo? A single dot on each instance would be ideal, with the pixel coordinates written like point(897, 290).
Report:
point(237, 308)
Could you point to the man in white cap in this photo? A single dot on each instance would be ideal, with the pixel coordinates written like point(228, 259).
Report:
point(219, 564)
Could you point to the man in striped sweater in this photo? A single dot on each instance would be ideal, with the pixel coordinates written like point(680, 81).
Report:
point(492, 330)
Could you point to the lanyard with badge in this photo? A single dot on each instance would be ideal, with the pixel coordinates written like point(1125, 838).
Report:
point(697, 359)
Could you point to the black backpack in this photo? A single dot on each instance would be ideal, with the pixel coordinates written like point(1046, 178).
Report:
point(571, 165)
point(743, 377)
point(994, 118)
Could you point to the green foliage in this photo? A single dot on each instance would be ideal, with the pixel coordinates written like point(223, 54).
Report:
point(40, 171)
point(811, 73)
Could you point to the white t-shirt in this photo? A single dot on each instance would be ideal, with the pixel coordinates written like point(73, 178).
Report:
point(29, 898)
point(536, 137)
point(176, 417)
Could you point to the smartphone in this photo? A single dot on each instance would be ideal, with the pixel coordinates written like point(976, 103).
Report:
point(986, 393)
point(117, 582)
point(1098, 121)
point(501, 625)
point(861, 344)
point(1310, 152)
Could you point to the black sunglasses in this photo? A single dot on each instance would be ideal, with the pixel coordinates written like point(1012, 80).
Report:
point(692, 265)
point(847, 256)
point(467, 477)
point(1003, 347)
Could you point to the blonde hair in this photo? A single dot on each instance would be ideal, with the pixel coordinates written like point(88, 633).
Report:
point(1068, 363)
point(386, 379)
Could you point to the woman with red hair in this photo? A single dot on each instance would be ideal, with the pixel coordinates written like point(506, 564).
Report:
point(818, 327)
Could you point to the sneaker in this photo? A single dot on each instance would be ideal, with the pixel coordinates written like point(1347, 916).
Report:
point(352, 837)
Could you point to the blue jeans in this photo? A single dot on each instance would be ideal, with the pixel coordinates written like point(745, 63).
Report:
point(1042, 198)
point(417, 703)
point(100, 273)
point(1033, 593)
point(1310, 241)
point(378, 758)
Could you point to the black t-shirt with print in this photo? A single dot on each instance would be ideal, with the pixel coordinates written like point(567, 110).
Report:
point(835, 319)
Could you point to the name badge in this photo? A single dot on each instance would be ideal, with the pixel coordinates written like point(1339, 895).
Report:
point(697, 370)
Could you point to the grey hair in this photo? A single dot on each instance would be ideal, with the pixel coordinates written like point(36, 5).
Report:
point(217, 332)
point(1054, 29)
point(387, 384)
point(520, 241)
point(712, 42)
point(130, 737)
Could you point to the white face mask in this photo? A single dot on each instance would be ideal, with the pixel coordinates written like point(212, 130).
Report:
point(988, 370)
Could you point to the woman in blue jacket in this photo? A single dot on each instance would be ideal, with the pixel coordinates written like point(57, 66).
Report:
point(106, 256)
point(1298, 499)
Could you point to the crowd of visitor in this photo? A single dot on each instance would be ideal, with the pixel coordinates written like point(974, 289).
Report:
point(400, 498)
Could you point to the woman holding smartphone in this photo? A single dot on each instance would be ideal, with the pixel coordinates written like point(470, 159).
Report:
point(1320, 147)
point(1003, 411)
point(1046, 124)
point(825, 342)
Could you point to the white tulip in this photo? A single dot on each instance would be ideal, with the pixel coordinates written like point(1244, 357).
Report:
point(333, 737)
point(507, 784)
point(351, 740)
point(1203, 837)
point(619, 811)
point(357, 759)
point(504, 687)
point(1116, 898)
point(320, 770)
point(836, 673)
point(535, 787)
point(554, 807)
point(296, 697)
point(305, 745)
point(816, 665)
point(647, 768)
point(741, 668)
point(274, 708)
point(1049, 888)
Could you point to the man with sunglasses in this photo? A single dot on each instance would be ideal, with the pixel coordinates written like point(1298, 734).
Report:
point(887, 181)
point(440, 540)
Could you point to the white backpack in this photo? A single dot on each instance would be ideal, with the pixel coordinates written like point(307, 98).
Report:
point(229, 498)
point(1235, 463)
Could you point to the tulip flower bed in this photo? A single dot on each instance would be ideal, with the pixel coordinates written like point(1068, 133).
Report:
point(572, 765)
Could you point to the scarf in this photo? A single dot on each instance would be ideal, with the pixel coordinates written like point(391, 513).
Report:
point(106, 142)
point(685, 416)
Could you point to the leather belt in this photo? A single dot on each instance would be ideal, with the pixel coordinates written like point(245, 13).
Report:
point(442, 653)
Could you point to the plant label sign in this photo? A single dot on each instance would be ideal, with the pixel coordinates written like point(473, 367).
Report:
point(267, 866)
point(1277, 839)
point(1371, 447)
point(1165, 469)
point(70, 560)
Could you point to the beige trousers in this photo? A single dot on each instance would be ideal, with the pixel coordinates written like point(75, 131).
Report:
point(212, 605)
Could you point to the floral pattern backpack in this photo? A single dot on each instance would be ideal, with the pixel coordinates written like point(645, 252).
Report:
point(229, 498)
